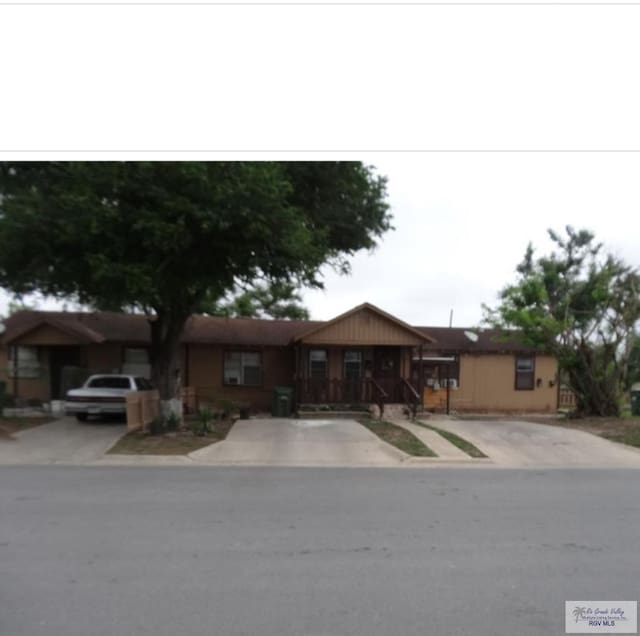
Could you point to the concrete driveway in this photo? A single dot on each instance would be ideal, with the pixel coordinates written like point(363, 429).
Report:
point(291, 442)
point(518, 444)
point(64, 441)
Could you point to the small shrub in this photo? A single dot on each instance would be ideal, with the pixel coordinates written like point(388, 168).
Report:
point(227, 407)
point(172, 422)
point(157, 426)
point(203, 423)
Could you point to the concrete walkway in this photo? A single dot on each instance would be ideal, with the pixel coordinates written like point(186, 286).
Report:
point(291, 442)
point(525, 444)
point(63, 441)
point(442, 447)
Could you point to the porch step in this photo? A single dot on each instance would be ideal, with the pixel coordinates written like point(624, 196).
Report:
point(394, 411)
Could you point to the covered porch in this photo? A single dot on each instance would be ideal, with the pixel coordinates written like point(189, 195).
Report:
point(360, 358)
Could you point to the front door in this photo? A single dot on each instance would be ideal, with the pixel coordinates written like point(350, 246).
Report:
point(352, 376)
point(386, 369)
point(59, 358)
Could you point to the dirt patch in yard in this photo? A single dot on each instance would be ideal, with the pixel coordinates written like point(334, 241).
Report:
point(397, 436)
point(11, 425)
point(178, 443)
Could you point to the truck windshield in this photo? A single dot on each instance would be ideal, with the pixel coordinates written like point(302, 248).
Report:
point(110, 383)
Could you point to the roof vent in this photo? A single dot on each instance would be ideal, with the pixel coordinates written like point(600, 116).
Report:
point(471, 336)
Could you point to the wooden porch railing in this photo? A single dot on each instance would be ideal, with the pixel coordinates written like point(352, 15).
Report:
point(410, 397)
point(334, 391)
point(380, 395)
point(378, 391)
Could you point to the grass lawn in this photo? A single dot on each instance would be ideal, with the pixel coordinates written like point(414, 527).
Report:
point(398, 437)
point(179, 443)
point(11, 425)
point(456, 440)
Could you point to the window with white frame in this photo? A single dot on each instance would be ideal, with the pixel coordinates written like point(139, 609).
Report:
point(243, 368)
point(318, 364)
point(525, 372)
point(352, 365)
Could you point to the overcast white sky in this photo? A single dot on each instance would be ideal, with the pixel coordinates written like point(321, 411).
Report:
point(546, 76)
point(463, 222)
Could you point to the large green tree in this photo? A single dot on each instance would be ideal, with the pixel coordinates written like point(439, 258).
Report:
point(581, 305)
point(166, 237)
point(279, 299)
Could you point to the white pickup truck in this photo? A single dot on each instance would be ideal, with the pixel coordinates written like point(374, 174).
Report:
point(103, 395)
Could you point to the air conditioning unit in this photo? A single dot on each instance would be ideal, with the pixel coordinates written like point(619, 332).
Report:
point(452, 383)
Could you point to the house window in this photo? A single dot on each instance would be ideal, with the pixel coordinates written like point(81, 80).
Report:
point(136, 356)
point(242, 368)
point(525, 371)
point(24, 361)
point(352, 365)
point(136, 361)
point(318, 364)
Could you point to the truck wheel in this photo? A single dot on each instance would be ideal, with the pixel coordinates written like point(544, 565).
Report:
point(81, 417)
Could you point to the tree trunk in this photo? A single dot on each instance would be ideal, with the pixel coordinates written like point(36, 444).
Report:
point(166, 330)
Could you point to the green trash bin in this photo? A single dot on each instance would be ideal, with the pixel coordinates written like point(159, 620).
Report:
point(282, 401)
point(635, 399)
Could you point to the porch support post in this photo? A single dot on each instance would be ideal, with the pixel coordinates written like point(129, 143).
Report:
point(296, 374)
point(421, 379)
point(15, 373)
point(448, 388)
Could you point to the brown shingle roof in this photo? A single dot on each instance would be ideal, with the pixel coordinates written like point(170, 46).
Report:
point(244, 331)
point(134, 329)
point(454, 340)
point(91, 327)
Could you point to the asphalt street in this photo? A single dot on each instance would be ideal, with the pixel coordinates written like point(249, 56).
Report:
point(96, 551)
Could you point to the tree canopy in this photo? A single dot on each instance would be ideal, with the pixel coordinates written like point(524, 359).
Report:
point(581, 305)
point(280, 299)
point(168, 237)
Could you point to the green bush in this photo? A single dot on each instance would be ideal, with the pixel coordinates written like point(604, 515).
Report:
point(203, 423)
point(227, 407)
point(157, 426)
point(172, 422)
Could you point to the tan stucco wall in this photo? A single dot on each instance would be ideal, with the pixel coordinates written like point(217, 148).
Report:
point(487, 383)
point(206, 375)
